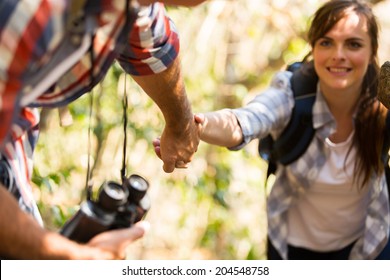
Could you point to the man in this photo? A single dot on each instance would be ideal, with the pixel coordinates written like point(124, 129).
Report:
point(52, 53)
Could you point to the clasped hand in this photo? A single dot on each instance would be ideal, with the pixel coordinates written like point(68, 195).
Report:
point(176, 147)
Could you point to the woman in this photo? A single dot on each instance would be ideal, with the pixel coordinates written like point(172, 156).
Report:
point(331, 203)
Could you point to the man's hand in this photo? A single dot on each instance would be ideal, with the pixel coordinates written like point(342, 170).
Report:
point(113, 243)
point(21, 237)
point(176, 148)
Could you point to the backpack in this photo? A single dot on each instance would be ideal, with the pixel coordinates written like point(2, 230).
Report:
point(299, 132)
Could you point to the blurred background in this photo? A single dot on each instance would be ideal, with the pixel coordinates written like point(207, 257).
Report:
point(214, 209)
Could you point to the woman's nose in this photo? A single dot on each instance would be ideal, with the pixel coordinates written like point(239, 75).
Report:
point(338, 53)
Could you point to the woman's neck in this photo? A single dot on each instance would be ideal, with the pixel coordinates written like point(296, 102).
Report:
point(342, 104)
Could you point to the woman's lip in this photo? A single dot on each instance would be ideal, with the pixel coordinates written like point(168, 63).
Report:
point(337, 70)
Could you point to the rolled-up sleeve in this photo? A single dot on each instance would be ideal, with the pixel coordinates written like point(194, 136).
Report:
point(268, 113)
point(153, 44)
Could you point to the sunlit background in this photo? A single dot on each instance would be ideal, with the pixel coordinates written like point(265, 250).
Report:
point(214, 209)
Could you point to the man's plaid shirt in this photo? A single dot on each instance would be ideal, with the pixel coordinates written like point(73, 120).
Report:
point(46, 63)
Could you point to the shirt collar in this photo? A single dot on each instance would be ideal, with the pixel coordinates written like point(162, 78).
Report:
point(323, 120)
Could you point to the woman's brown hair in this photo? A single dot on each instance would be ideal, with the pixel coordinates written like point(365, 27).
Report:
point(371, 114)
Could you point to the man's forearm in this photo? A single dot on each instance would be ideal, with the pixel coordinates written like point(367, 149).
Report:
point(21, 237)
point(168, 91)
point(180, 138)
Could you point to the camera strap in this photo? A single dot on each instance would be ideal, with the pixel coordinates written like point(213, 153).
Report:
point(89, 183)
point(131, 12)
point(124, 106)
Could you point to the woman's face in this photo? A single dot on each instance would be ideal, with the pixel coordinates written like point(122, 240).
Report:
point(342, 56)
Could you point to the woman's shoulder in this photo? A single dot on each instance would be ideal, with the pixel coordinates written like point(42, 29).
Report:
point(281, 80)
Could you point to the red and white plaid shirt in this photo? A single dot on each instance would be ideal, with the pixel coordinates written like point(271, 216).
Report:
point(45, 63)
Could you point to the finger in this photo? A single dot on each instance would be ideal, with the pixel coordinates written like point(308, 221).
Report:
point(168, 167)
point(157, 151)
point(181, 164)
point(141, 228)
point(114, 242)
point(199, 118)
point(128, 235)
point(157, 147)
point(157, 141)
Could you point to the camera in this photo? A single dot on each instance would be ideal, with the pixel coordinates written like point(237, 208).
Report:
point(117, 206)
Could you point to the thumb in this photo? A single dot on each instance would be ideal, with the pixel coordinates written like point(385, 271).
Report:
point(199, 118)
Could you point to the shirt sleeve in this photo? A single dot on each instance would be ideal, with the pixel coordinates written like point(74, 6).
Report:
point(153, 44)
point(29, 32)
point(269, 112)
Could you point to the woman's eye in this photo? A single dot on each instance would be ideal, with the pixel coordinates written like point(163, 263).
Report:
point(355, 45)
point(324, 43)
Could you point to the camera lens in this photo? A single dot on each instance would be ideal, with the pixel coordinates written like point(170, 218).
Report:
point(112, 196)
point(138, 183)
point(137, 187)
point(114, 192)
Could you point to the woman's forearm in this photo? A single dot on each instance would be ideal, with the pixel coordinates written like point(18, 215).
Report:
point(221, 128)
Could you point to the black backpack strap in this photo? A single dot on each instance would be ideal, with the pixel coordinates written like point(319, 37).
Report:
point(265, 149)
point(299, 132)
point(295, 139)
